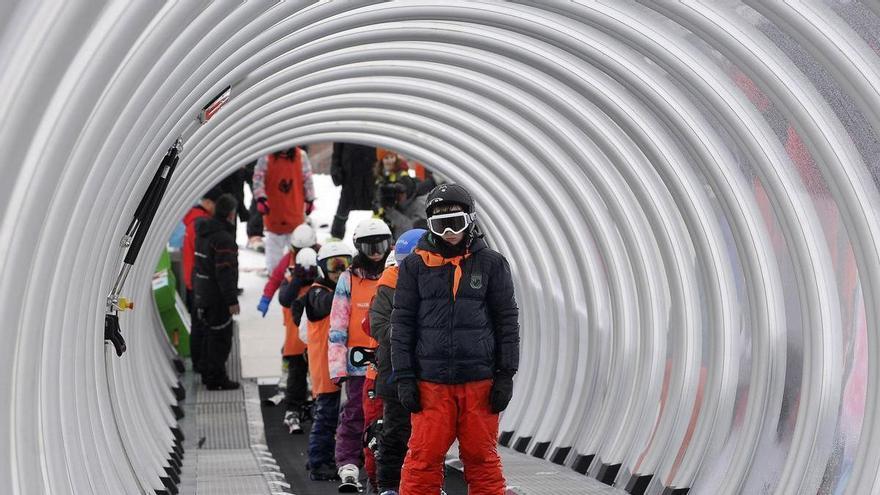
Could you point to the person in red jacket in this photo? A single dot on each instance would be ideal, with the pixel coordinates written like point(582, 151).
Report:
point(205, 209)
point(303, 236)
point(285, 195)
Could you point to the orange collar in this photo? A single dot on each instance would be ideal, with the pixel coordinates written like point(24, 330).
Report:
point(389, 277)
point(436, 260)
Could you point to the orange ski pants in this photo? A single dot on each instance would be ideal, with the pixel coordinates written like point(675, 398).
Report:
point(450, 412)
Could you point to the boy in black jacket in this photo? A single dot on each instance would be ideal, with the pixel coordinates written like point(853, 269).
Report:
point(215, 287)
point(395, 418)
point(454, 347)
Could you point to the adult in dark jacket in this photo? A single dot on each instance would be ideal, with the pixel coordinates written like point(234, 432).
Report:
point(215, 285)
point(204, 209)
point(233, 184)
point(396, 201)
point(352, 168)
point(454, 347)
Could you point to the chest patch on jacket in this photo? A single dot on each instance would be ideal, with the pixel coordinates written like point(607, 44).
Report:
point(476, 281)
point(285, 185)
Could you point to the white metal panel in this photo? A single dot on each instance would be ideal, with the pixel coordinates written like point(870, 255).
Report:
point(687, 313)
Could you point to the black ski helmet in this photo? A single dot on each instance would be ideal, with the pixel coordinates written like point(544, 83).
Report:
point(446, 194)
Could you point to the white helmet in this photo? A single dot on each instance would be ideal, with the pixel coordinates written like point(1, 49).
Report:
point(303, 236)
point(391, 260)
point(333, 249)
point(370, 227)
point(307, 257)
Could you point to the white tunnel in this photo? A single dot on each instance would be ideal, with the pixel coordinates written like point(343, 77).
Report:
point(686, 190)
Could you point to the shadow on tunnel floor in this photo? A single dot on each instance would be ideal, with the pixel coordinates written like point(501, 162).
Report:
point(291, 453)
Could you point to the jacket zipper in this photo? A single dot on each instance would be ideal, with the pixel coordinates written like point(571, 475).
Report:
point(452, 324)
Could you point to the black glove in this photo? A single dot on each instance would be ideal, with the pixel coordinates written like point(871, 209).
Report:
point(502, 391)
point(389, 194)
point(408, 392)
point(373, 436)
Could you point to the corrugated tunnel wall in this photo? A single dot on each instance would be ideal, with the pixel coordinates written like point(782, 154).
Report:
point(687, 191)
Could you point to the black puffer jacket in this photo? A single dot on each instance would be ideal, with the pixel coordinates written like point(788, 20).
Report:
point(380, 329)
point(352, 168)
point(318, 301)
point(444, 339)
point(215, 273)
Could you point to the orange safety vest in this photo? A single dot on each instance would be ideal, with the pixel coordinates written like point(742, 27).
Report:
point(362, 292)
point(388, 279)
point(319, 368)
point(284, 190)
point(293, 345)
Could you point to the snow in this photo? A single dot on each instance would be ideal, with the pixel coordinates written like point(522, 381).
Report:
point(261, 338)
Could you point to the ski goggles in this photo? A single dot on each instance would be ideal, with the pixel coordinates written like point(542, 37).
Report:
point(455, 223)
point(338, 264)
point(374, 248)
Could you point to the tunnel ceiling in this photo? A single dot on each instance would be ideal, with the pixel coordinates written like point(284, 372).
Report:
point(687, 192)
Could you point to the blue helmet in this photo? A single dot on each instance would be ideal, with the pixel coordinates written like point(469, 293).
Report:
point(407, 242)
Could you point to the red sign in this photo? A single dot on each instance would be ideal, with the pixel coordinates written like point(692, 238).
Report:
point(214, 106)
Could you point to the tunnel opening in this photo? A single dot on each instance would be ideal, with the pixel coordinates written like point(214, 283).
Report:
point(657, 275)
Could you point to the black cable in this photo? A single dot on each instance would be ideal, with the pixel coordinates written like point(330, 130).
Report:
point(149, 211)
point(151, 190)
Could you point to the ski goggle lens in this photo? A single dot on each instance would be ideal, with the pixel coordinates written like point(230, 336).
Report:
point(453, 222)
point(338, 264)
point(373, 248)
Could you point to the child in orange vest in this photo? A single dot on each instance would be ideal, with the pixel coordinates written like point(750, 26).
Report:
point(373, 404)
point(355, 289)
point(333, 259)
point(285, 195)
point(299, 278)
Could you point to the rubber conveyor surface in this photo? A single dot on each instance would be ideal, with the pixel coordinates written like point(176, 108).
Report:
point(219, 458)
